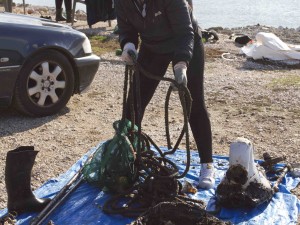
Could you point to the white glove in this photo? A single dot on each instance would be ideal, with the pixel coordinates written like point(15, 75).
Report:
point(125, 56)
point(180, 73)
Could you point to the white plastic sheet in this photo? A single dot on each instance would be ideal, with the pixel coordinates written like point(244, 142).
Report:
point(269, 46)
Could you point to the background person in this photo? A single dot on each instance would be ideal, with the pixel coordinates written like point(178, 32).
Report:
point(59, 11)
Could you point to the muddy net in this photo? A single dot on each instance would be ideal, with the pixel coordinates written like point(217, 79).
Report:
point(177, 213)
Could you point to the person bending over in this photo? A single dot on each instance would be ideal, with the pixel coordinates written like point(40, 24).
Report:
point(169, 33)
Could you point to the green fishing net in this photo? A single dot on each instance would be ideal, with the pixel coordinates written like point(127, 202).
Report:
point(112, 166)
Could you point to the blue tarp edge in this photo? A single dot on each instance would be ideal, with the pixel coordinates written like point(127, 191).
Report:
point(84, 205)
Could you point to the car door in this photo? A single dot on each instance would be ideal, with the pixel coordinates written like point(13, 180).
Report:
point(10, 63)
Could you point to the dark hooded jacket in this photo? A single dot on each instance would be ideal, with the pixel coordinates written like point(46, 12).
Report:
point(166, 28)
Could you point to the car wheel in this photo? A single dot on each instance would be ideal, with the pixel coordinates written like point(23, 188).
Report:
point(45, 84)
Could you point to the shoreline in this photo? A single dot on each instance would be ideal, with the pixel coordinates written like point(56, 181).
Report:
point(231, 21)
point(288, 35)
point(39, 10)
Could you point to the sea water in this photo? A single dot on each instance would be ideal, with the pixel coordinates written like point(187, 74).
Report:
point(236, 13)
point(231, 13)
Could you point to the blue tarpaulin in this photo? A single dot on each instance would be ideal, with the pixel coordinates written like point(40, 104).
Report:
point(83, 206)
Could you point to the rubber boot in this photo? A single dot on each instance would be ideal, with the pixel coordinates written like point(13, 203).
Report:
point(19, 163)
point(59, 15)
point(69, 16)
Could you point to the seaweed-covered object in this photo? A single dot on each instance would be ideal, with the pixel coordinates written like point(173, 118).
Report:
point(245, 183)
point(177, 213)
point(236, 191)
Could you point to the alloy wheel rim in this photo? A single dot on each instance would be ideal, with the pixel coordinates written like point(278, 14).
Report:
point(46, 84)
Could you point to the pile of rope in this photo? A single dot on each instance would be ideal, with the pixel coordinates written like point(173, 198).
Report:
point(157, 197)
point(177, 213)
point(161, 186)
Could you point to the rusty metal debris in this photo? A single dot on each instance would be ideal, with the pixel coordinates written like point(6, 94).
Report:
point(285, 170)
point(188, 188)
point(9, 219)
point(269, 162)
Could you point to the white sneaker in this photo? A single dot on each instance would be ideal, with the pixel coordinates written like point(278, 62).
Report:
point(206, 178)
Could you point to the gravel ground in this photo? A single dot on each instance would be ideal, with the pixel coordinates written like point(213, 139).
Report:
point(256, 100)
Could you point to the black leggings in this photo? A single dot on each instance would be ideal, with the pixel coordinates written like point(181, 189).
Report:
point(157, 64)
point(68, 4)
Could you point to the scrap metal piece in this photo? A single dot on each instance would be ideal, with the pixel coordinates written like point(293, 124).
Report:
point(187, 187)
point(270, 162)
point(9, 218)
point(286, 169)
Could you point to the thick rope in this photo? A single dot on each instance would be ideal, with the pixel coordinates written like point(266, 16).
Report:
point(157, 175)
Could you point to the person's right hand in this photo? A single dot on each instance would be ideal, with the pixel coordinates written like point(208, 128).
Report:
point(125, 55)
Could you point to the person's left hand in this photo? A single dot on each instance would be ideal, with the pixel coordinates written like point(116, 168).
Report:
point(180, 73)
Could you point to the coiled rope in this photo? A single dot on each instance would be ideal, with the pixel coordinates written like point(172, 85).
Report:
point(157, 189)
point(157, 176)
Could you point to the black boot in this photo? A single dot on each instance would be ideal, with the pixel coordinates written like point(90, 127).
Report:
point(19, 163)
point(59, 15)
point(69, 16)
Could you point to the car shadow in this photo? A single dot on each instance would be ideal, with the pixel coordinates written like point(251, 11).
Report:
point(12, 122)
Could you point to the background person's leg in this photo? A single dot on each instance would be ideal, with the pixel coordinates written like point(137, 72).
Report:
point(68, 5)
point(59, 10)
point(58, 4)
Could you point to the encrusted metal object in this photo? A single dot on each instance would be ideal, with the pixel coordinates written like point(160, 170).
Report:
point(245, 184)
point(231, 192)
point(269, 162)
point(9, 219)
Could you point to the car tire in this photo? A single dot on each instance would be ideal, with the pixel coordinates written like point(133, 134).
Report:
point(45, 84)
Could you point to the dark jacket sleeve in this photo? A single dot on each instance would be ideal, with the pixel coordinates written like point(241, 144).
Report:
point(180, 21)
point(127, 33)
